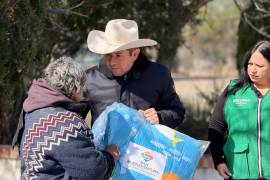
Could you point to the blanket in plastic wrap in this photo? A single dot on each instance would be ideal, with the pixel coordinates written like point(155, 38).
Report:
point(146, 151)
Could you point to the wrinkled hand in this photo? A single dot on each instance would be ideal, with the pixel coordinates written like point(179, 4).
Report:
point(223, 171)
point(113, 150)
point(151, 115)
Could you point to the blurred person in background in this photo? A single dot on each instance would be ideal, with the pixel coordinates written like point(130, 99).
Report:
point(239, 129)
point(126, 75)
point(54, 140)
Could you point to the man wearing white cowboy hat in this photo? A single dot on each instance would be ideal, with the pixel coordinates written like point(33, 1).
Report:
point(125, 75)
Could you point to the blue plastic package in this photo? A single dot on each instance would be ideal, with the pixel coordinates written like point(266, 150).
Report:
point(146, 151)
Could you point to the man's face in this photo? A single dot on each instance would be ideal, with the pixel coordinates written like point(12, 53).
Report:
point(119, 63)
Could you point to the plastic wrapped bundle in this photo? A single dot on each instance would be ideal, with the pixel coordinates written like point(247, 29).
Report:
point(146, 151)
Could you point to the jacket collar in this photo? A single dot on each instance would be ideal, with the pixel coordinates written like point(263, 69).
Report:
point(134, 73)
point(41, 95)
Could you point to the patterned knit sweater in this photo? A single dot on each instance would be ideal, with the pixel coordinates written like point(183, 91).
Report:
point(56, 143)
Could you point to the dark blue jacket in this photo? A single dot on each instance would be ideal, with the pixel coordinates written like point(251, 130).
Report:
point(147, 85)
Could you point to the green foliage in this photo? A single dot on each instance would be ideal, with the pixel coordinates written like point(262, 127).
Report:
point(23, 55)
point(216, 18)
point(216, 33)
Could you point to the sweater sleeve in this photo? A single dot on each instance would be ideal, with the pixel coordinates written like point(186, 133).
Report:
point(216, 130)
point(172, 111)
point(77, 154)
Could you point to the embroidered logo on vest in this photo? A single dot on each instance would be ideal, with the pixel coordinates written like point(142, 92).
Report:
point(241, 102)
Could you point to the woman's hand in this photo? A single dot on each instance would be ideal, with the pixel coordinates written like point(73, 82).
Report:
point(223, 171)
point(113, 150)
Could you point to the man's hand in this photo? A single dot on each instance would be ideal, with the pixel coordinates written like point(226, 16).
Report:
point(113, 150)
point(223, 171)
point(151, 115)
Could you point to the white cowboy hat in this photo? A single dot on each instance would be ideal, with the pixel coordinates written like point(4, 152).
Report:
point(120, 34)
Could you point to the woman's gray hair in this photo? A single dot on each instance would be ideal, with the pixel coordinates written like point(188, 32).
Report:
point(65, 75)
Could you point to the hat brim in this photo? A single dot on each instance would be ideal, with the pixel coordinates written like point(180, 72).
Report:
point(96, 43)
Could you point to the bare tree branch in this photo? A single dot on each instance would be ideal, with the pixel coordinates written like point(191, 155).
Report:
point(263, 33)
point(237, 5)
point(258, 14)
point(65, 11)
point(69, 10)
point(259, 8)
point(76, 6)
point(258, 17)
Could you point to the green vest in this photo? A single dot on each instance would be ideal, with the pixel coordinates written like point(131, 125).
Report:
point(247, 148)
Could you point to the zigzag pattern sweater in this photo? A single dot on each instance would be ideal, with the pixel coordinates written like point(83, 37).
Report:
point(57, 144)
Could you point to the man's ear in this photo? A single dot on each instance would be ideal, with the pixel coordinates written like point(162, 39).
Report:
point(135, 53)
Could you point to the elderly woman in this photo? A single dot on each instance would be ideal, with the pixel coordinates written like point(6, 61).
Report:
point(56, 143)
point(239, 129)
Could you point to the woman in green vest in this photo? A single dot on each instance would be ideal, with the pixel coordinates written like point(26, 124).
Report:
point(239, 129)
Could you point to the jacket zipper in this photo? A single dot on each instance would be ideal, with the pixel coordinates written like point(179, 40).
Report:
point(259, 137)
